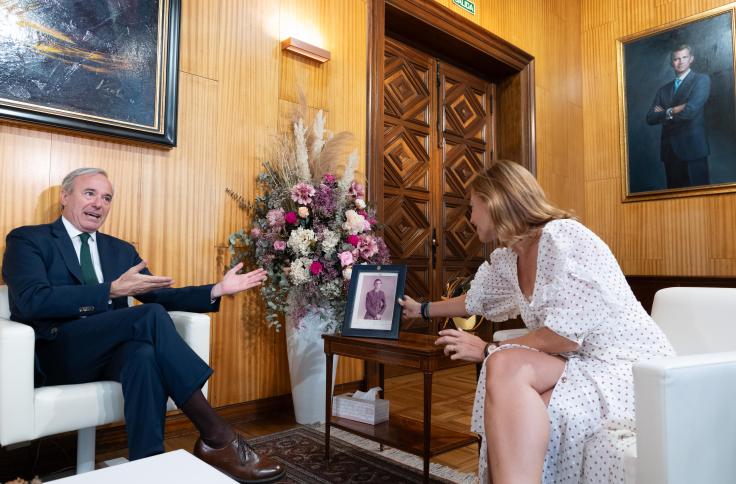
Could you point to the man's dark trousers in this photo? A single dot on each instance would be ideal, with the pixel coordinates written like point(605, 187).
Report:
point(138, 347)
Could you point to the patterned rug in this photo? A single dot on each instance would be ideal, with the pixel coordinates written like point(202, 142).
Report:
point(301, 451)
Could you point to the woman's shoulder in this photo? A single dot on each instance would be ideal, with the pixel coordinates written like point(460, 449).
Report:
point(571, 235)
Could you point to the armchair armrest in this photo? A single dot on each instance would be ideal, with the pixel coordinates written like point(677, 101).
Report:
point(17, 343)
point(686, 426)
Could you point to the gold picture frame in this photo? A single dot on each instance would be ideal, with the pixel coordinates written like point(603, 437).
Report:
point(679, 141)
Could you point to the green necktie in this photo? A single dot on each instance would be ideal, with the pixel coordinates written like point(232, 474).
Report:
point(678, 81)
point(85, 260)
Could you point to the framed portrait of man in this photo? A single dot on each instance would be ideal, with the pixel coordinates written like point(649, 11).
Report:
point(372, 309)
point(678, 108)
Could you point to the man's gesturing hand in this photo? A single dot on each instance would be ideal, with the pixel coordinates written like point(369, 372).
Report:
point(233, 283)
point(132, 282)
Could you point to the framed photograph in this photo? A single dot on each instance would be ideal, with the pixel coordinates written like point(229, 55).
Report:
point(678, 108)
point(372, 309)
point(109, 68)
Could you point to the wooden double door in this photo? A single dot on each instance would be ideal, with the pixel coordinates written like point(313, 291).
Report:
point(438, 132)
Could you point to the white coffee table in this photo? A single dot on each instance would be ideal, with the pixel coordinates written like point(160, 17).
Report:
point(176, 466)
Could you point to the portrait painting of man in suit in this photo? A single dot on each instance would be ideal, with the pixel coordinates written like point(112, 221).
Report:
point(679, 107)
point(375, 300)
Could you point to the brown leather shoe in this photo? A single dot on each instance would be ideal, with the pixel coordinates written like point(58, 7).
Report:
point(240, 462)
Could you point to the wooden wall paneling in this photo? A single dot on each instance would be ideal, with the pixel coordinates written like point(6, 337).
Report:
point(602, 199)
point(602, 155)
point(177, 187)
point(200, 38)
point(685, 237)
point(721, 228)
point(641, 248)
point(305, 20)
point(247, 356)
point(24, 177)
point(575, 198)
point(247, 104)
point(123, 165)
point(346, 84)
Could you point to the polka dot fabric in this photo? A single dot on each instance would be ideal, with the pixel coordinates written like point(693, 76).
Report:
point(581, 294)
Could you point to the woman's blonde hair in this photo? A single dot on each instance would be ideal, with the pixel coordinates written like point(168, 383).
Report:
point(516, 204)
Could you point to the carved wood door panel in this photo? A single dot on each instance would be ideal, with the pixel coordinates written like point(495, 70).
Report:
point(438, 132)
point(466, 148)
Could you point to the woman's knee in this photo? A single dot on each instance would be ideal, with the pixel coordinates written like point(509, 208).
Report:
point(508, 367)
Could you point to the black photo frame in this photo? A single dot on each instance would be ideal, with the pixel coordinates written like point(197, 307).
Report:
point(109, 68)
point(364, 315)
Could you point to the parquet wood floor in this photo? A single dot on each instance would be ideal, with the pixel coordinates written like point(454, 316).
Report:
point(452, 396)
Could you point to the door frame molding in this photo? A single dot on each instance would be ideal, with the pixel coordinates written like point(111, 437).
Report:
point(461, 42)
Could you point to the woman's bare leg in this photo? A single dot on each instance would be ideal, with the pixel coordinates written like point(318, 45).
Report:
point(516, 419)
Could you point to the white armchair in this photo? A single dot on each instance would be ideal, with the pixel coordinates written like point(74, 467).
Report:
point(27, 413)
point(685, 418)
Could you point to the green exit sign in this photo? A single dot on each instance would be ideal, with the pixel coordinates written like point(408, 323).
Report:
point(466, 5)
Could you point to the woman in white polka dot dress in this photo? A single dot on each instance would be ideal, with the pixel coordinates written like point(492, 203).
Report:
point(552, 405)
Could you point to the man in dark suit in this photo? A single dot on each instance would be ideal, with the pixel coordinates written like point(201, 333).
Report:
point(678, 107)
point(71, 283)
point(375, 301)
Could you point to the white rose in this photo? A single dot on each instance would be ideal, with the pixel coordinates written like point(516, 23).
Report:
point(360, 203)
point(354, 222)
point(303, 212)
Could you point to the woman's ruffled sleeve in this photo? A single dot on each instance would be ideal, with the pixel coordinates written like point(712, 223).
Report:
point(490, 293)
point(575, 300)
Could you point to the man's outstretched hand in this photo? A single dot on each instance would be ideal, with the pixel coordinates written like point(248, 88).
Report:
point(233, 283)
point(132, 282)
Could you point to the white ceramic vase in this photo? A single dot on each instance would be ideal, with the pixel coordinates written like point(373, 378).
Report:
point(308, 364)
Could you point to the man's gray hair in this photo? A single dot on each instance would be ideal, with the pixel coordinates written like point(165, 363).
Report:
point(67, 184)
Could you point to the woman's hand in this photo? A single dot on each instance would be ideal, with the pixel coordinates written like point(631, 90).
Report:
point(410, 307)
point(460, 345)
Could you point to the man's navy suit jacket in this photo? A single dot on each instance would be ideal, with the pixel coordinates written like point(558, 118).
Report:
point(684, 134)
point(45, 285)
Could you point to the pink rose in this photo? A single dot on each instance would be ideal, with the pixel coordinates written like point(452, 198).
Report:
point(255, 232)
point(329, 178)
point(368, 247)
point(346, 258)
point(303, 212)
point(315, 268)
point(290, 218)
point(279, 245)
point(353, 240)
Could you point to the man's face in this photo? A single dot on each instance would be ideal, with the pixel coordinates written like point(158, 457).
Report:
point(377, 285)
point(681, 60)
point(87, 205)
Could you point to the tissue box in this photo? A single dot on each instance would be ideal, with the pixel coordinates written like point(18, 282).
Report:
point(366, 411)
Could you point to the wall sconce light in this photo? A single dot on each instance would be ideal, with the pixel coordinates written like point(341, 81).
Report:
point(307, 50)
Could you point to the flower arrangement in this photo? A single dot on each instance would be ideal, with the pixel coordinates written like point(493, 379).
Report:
point(309, 226)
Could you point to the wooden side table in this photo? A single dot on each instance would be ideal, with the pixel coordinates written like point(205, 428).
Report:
point(416, 351)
